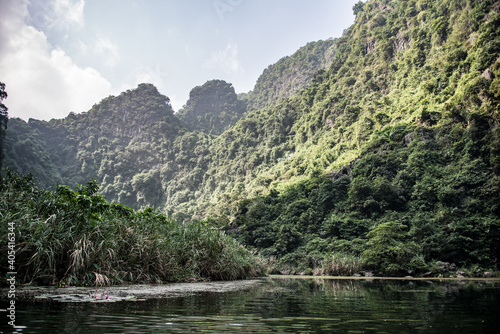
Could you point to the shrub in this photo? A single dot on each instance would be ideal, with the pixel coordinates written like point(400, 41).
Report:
point(387, 250)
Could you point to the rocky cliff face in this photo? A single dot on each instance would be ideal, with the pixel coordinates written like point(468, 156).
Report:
point(292, 73)
point(118, 138)
point(212, 108)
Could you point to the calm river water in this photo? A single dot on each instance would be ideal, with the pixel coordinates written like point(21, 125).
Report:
point(281, 305)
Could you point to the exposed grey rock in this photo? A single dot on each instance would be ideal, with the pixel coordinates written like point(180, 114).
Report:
point(402, 42)
point(488, 74)
point(345, 171)
point(444, 267)
point(409, 138)
point(370, 45)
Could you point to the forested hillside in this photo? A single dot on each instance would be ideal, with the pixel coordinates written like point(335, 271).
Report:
point(393, 155)
point(388, 159)
point(121, 141)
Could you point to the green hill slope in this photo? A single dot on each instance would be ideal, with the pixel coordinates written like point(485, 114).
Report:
point(409, 107)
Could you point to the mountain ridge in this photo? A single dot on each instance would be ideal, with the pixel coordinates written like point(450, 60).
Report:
point(201, 113)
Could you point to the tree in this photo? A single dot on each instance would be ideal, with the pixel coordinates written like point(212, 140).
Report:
point(4, 118)
point(358, 8)
point(389, 250)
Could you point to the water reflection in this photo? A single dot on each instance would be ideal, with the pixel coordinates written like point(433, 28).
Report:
point(284, 306)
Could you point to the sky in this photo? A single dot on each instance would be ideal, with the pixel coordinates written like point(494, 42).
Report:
point(62, 56)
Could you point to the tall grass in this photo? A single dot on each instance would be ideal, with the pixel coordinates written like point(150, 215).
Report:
point(340, 265)
point(76, 237)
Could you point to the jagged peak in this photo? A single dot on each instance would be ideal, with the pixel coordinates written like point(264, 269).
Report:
point(212, 108)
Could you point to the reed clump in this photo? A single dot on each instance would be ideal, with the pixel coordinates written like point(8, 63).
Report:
point(76, 237)
point(340, 265)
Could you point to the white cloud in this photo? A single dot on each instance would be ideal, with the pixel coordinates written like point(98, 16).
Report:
point(69, 12)
point(177, 103)
point(103, 48)
point(226, 59)
point(43, 82)
point(104, 45)
point(147, 74)
point(56, 14)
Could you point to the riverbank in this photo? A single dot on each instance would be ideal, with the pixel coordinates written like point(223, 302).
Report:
point(406, 278)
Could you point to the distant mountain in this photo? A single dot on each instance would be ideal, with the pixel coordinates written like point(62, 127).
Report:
point(27, 153)
point(141, 152)
point(212, 108)
point(113, 142)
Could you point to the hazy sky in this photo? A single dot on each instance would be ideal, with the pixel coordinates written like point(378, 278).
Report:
point(58, 56)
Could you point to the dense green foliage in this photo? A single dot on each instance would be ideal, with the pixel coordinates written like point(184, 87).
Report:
point(77, 237)
point(212, 108)
point(26, 153)
point(415, 109)
point(376, 151)
point(401, 206)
